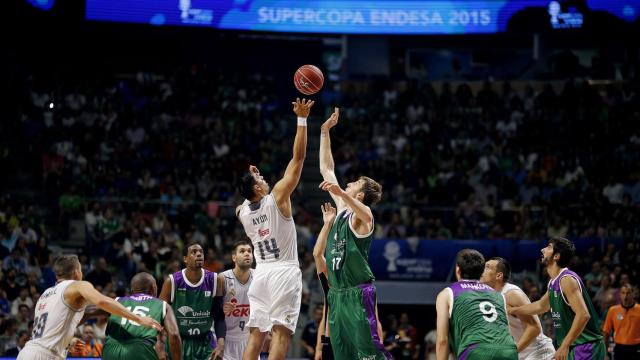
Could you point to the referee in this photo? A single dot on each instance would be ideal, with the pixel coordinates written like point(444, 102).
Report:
point(624, 321)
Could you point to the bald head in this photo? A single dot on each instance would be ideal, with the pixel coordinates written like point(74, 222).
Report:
point(144, 283)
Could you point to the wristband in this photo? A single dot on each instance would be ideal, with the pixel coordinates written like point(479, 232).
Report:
point(302, 121)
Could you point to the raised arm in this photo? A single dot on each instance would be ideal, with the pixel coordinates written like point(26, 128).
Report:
point(283, 188)
point(363, 222)
point(535, 308)
point(328, 215)
point(571, 289)
point(532, 327)
point(85, 290)
point(327, 166)
point(171, 326)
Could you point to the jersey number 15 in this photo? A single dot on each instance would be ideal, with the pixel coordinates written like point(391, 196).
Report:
point(138, 310)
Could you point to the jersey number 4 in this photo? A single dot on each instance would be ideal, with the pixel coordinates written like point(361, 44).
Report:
point(269, 247)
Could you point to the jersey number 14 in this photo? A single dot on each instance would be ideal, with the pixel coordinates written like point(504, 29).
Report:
point(269, 247)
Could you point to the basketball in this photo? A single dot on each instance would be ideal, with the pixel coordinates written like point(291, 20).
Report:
point(308, 79)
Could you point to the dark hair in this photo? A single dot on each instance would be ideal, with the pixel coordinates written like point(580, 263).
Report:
point(372, 191)
point(185, 250)
point(565, 248)
point(65, 266)
point(245, 185)
point(471, 264)
point(142, 282)
point(503, 267)
point(241, 243)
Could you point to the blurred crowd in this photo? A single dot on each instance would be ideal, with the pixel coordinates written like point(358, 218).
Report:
point(147, 163)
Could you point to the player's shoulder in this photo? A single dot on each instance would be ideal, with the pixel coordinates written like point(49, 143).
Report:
point(209, 274)
point(508, 287)
point(447, 292)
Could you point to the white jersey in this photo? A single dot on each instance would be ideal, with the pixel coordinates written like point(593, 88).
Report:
point(541, 345)
point(236, 292)
point(273, 236)
point(55, 321)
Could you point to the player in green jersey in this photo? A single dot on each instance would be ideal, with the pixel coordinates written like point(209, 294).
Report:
point(196, 297)
point(471, 316)
point(353, 319)
point(577, 329)
point(127, 340)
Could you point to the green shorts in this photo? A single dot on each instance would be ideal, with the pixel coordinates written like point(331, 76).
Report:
point(489, 352)
point(353, 324)
point(131, 350)
point(196, 348)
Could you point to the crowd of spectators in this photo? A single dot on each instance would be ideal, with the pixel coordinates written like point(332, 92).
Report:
point(453, 162)
point(147, 162)
point(498, 163)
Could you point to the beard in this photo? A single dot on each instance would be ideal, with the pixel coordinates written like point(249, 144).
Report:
point(545, 261)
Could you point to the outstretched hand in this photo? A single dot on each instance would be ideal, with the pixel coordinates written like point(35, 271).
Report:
point(332, 120)
point(150, 323)
point(302, 108)
point(328, 213)
point(331, 187)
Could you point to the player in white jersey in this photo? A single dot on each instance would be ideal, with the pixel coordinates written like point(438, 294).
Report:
point(60, 308)
point(531, 343)
point(276, 290)
point(236, 300)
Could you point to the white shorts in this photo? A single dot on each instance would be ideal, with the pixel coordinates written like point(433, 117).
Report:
point(543, 351)
point(36, 353)
point(233, 349)
point(274, 297)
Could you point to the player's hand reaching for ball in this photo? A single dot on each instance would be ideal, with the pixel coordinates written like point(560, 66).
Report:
point(332, 120)
point(302, 108)
point(328, 213)
point(331, 187)
point(149, 323)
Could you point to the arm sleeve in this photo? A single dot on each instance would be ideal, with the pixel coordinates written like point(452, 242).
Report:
point(220, 326)
point(325, 288)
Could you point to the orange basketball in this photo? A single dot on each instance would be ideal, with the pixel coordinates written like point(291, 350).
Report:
point(308, 79)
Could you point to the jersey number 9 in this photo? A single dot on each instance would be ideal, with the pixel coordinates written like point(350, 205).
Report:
point(488, 311)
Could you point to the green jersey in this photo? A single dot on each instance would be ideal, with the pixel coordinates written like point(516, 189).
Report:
point(563, 315)
point(478, 316)
point(192, 304)
point(123, 334)
point(347, 254)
